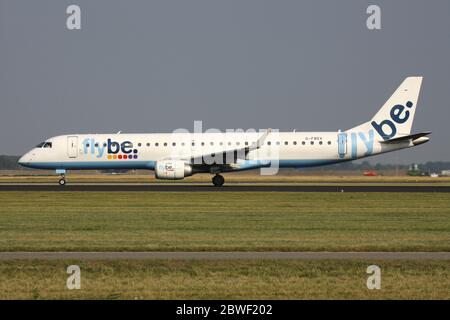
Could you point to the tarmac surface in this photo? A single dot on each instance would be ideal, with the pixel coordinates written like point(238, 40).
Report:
point(5, 256)
point(244, 187)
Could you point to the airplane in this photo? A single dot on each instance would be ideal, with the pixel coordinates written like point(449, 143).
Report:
point(174, 156)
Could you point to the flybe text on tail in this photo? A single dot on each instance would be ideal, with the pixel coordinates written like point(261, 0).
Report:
point(399, 115)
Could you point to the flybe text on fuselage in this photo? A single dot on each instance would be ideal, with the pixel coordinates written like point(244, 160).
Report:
point(368, 142)
point(112, 148)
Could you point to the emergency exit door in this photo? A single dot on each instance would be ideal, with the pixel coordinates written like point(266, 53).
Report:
point(72, 146)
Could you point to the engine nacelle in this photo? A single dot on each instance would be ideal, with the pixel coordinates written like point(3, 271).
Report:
point(172, 170)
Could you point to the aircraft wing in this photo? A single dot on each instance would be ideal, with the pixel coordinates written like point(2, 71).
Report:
point(233, 154)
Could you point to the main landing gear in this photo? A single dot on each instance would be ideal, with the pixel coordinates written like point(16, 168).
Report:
point(218, 180)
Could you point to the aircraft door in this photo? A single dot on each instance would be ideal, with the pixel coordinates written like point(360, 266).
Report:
point(342, 144)
point(72, 146)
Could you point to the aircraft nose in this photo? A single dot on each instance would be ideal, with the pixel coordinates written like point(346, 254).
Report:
point(21, 160)
point(25, 159)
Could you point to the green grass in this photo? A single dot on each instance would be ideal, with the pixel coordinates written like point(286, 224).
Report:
point(243, 279)
point(138, 221)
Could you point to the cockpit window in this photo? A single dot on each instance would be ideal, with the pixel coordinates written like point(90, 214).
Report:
point(44, 145)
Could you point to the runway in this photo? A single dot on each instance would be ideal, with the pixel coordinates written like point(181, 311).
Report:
point(240, 255)
point(247, 187)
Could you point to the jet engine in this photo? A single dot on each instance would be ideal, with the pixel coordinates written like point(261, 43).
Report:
point(172, 170)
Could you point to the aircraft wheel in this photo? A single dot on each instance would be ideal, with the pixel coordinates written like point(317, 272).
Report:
point(62, 182)
point(218, 180)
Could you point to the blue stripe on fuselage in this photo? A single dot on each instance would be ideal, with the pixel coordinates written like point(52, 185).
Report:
point(150, 165)
point(92, 165)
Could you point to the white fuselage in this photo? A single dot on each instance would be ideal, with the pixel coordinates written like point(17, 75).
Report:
point(142, 151)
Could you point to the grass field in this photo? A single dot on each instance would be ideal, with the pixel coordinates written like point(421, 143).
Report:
point(133, 221)
point(267, 279)
point(151, 221)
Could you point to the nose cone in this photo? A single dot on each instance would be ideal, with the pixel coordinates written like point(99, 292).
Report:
point(21, 160)
point(24, 160)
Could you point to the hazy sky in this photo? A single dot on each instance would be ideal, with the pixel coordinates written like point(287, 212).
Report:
point(154, 66)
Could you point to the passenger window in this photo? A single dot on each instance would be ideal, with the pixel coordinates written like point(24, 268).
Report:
point(278, 143)
point(156, 144)
point(312, 142)
point(320, 142)
point(269, 143)
point(148, 144)
point(165, 144)
point(173, 144)
point(285, 143)
point(329, 142)
point(295, 143)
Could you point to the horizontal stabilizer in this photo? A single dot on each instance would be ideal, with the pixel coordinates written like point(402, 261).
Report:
point(407, 138)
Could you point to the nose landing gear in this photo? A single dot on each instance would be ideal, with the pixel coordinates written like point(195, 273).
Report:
point(62, 173)
point(218, 180)
point(62, 181)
